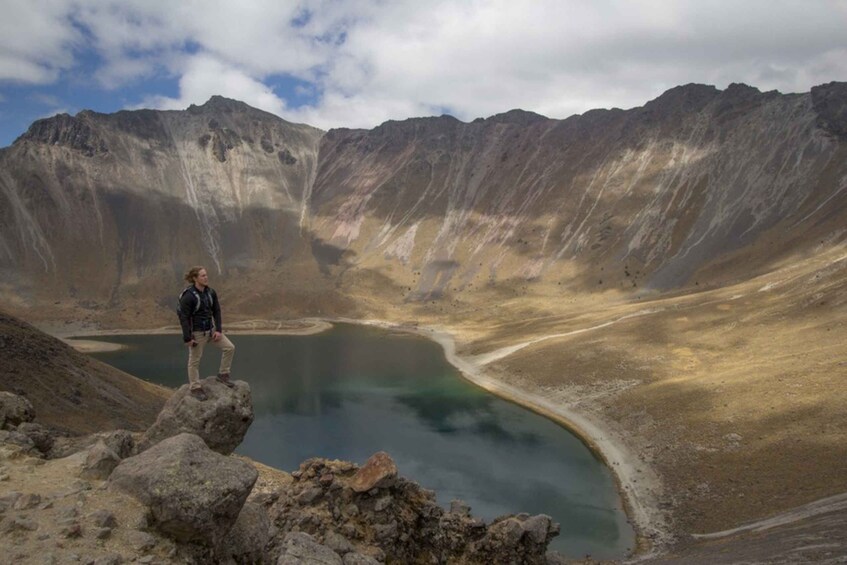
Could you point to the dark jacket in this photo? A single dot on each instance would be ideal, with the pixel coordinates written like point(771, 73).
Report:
point(198, 311)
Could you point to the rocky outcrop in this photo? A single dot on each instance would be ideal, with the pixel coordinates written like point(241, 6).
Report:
point(830, 103)
point(397, 521)
point(221, 421)
point(193, 493)
point(17, 429)
point(14, 410)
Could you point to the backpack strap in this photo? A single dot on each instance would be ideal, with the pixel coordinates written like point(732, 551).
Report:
point(196, 297)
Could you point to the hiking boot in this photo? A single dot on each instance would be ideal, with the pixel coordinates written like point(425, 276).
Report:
point(224, 378)
point(199, 394)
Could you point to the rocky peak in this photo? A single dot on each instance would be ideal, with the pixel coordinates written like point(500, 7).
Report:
point(517, 117)
point(221, 105)
point(682, 99)
point(66, 130)
point(830, 103)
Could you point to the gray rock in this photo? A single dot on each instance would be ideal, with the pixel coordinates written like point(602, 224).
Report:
point(16, 523)
point(538, 527)
point(385, 532)
point(222, 420)
point(14, 410)
point(68, 512)
point(103, 519)
point(350, 510)
point(309, 495)
point(506, 533)
point(382, 504)
point(100, 462)
point(349, 531)
point(27, 501)
point(193, 493)
point(141, 541)
point(299, 548)
point(102, 533)
point(337, 543)
point(359, 559)
point(40, 436)
point(8, 500)
point(70, 529)
point(16, 438)
point(119, 441)
point(248, 538)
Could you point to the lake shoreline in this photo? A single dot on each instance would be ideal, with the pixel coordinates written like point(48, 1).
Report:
point(637, 484)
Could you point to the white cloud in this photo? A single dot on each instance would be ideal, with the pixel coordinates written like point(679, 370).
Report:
point(557, 58)
point(35, 41)
point(204, 76)
point(371, 60)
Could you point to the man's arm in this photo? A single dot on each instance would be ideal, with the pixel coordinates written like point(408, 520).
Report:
point(186, 304)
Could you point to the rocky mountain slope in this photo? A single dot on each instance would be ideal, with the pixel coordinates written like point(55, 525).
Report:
point(697, 188)
point(73, 392)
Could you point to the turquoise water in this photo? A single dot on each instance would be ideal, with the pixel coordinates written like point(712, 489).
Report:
point(352, 391)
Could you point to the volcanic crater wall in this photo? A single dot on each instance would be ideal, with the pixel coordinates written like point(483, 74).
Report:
point(101, 211)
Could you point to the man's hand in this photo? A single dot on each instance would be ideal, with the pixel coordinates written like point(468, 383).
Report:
point(216, 336)
point(191, 343)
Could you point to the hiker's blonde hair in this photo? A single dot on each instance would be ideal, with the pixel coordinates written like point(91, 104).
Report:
point(192, 273)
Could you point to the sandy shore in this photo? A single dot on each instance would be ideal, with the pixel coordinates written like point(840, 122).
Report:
point(306, 326)
point(638, 484)
point(92, 346)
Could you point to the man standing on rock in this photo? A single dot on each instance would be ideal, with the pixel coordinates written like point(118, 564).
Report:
point(200, 317)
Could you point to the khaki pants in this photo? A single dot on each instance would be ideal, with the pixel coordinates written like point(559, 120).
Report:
point(196, 352)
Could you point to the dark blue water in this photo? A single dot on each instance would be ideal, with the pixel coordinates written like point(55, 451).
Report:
point(352, 391)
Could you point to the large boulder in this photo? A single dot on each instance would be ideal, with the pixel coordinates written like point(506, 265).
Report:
point(14, 410)
point(222, 420)
point(193, 493)
point(40, 436)
point(248, 538)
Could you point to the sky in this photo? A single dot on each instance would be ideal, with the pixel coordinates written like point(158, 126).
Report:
point(358, 63)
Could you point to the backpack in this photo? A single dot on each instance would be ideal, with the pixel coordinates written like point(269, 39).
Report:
point(196, 300)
